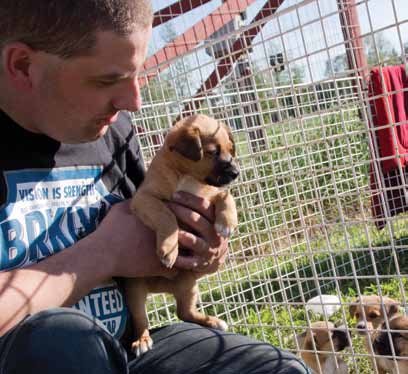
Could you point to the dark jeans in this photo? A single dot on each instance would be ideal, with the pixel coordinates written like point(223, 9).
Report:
point(67, 341)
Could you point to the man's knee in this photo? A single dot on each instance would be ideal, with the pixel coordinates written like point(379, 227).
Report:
point(245, 355)
point(200, 350)
point(60, 326)
point(66, 336)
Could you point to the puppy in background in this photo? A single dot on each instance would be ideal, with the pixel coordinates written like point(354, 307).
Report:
point(398, 335)
point(316, 347)
point(370, 312)
point(197, 157)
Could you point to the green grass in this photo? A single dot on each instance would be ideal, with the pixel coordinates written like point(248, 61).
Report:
point(309, 192)
point(278, 325)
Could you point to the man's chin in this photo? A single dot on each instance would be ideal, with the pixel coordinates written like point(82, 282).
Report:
point(88, 137)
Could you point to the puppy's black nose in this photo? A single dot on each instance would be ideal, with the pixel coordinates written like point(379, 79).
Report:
point(229, 168)
point(361, 326)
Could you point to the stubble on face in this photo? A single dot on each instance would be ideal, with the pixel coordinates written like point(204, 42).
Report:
point(76, 101)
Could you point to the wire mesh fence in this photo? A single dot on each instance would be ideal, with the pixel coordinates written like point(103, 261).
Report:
point(315, 92)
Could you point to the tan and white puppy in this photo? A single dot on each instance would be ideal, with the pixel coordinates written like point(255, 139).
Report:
point(398, 335)
point(197, 157)
point(370, 312)
point(316, 347)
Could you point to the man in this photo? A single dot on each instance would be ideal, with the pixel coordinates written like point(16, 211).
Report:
point(69, 160)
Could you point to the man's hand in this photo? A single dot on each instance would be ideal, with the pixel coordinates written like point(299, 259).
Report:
point(209, 250)
point(129, 244)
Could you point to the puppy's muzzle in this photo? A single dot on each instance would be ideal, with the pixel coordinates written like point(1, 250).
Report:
point(225, 171)
point(362, 328)
point(228, 169)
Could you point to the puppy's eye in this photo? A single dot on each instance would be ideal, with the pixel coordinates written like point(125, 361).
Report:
point(212, 152)
point(372, 315)
point(357, 315)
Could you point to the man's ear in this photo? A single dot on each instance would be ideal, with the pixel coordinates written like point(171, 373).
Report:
point(16, 63)
point(187, 142)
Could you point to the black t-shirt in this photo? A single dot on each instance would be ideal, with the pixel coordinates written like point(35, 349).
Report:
point(52, 194)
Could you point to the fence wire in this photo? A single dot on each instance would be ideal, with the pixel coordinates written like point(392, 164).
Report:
point(321, 211)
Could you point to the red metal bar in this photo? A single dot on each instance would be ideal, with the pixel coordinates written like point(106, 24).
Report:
point(176, 9)
point(356, 56)
point(200, 31)
point(225, 65)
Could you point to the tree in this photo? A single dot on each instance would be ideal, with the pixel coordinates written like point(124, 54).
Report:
point(337, 65)
point(179, 70)
point(379, 50)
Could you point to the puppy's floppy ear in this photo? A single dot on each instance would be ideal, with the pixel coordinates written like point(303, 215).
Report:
point(230, 137)
point(391, 306)
point(186, 141)
point(301, 338)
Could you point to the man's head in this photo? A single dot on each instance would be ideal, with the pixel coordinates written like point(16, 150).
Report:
point(68, 67)
point(67, 28)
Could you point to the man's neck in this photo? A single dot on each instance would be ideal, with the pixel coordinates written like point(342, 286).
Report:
point(18, 109)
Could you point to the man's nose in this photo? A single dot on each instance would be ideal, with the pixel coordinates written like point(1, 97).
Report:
point(129, 98)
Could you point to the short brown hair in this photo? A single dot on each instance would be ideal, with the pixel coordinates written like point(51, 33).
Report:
point(67, 27)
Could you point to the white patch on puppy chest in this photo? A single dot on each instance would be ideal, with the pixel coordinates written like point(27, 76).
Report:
point(193, 186)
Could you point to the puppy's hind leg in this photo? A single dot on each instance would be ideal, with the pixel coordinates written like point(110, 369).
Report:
point(136, 293)
point(186, 294)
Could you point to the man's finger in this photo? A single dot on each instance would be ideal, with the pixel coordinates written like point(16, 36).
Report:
point(199, 204)
point(190, 263)
point(197, 222)
point(199, 246)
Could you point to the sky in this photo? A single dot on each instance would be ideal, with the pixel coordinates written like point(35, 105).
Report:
point(379, 12)
point(374, 15)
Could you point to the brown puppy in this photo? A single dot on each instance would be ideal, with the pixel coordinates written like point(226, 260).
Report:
point(197, 157)
point(398, 334)
point(370, 312)
point(316, 347)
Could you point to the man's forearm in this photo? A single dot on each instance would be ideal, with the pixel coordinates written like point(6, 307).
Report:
point(59, 280)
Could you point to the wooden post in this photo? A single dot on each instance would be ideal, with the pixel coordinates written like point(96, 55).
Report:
point(350, 25)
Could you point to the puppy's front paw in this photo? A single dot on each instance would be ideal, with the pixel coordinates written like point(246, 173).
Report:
point(167, 250)
point(142, 345)
point(169, 259)
point(222, 230)
point(225, 222)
